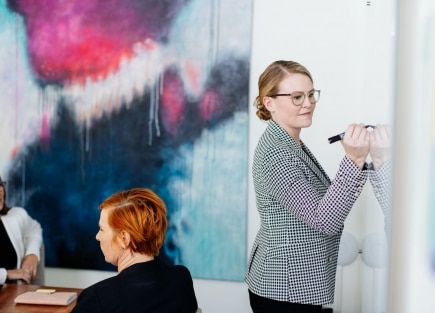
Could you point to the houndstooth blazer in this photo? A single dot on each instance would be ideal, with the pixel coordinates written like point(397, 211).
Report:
point(294, 255)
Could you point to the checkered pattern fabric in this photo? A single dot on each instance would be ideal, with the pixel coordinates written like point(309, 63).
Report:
point(294, 256)
point(381, 180)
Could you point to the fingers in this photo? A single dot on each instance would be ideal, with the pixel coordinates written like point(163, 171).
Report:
point(361, 140)
point(356, 132)
point(356, 143)
point(30, 264)
point(380, 136)
point(361, 132)
point(380, 144)
point(31, 270)
point(21, 274)
point(27, 275)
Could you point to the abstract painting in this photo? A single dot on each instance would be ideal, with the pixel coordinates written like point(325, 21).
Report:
point(104, 95)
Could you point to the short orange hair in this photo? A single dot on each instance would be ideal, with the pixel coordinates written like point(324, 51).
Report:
point(142, 214)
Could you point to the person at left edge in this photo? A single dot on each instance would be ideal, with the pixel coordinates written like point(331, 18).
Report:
point(132, 230)
point(20, 242)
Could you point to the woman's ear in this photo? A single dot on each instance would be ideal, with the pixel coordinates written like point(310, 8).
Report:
point(268, 103)
point(123, 239)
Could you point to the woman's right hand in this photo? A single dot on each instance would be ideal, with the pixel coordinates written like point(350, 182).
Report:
point(22, 274)
point(356, 143)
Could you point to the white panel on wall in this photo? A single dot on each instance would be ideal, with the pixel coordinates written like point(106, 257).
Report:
point(412, 278)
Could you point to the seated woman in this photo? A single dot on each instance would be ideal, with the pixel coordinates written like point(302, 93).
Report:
point(20, 242)
point(132, 229)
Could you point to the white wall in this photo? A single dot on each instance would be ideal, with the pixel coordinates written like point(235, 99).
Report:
point(412, 274)
point(347, 45)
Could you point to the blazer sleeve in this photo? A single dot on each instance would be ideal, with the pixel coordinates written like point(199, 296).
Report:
point(324, 209)
point(25, 234)
point(381, 180)
point(186, 294)
point(31, 234)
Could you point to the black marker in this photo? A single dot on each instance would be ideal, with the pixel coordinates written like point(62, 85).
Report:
point(340, 136)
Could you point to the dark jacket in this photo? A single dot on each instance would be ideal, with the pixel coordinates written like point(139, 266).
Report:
point(149, 287)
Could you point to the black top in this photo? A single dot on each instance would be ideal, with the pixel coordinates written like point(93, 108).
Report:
point(8, 257)
point(149, 287)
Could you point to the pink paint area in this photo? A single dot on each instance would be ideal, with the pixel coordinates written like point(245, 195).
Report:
point(45, 130)
point(210, 105)
point(193, 74)
point(76, 40)
point(173, 102)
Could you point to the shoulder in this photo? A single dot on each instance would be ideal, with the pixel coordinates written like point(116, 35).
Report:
point(181, 270)
point(269, 139)
point(177, 273)
point(101, 287)
point(17, 212)
point(273, 150)
point(276, 141)
point(170, 268)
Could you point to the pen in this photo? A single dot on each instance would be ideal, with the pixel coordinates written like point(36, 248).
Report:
point(340, 136)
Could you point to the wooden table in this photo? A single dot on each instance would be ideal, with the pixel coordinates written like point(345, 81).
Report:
point(9, 292)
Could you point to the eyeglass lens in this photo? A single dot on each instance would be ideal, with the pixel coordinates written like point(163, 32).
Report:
point(298, 97)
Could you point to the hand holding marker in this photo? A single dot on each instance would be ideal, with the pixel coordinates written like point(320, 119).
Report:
point(340, 136)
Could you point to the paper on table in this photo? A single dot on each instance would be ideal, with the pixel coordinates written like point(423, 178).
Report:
point(56, 298)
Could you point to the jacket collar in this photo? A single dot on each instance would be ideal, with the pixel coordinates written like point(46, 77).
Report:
point(301, 151)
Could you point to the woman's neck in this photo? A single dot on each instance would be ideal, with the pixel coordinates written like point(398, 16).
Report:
point(128, 258)
point(294, 132)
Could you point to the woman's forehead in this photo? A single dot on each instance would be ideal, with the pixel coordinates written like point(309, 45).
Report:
point(296, 82)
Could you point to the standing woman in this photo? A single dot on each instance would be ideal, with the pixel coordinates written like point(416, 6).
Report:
point(132, 230)
point(20, 242)
point(293, 262)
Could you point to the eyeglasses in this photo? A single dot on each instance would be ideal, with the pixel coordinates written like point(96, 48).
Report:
point(298, 97)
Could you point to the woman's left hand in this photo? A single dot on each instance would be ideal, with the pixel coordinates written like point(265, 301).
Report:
point(30, 264)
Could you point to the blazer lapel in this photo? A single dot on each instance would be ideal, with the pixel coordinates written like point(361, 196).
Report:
point(305, 154)
point(301, 151)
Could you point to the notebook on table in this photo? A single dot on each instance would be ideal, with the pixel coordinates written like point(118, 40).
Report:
point(45, 298)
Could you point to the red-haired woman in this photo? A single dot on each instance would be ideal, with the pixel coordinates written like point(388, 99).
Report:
point(132, 229)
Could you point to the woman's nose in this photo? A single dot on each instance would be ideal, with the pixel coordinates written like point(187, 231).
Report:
point(306, 102)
